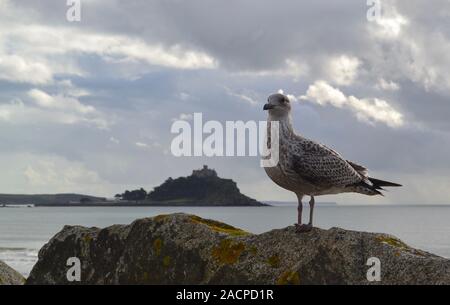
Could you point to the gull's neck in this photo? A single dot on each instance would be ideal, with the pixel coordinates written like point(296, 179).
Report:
point(285, 123)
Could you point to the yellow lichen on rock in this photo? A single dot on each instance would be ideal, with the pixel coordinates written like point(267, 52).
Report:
point(87, 239)
point(157, 245)
point(145, 276)
point(219, 226)
point(166, 261)
point(228, 252)
point(289, 278)
point(392, 241)
point(161, 217)
point(274, 261)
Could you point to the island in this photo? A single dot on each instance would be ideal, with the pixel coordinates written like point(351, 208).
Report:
point(202, 188)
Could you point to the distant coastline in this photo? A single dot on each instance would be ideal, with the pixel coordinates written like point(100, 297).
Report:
point(202, 188)
point(140, 204)
point(290, 203)
point(45, 199)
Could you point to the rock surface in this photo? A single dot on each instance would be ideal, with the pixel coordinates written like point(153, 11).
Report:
point(9, 276)
point(186, 249)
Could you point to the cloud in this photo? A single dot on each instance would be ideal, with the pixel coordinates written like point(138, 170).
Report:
point(291, 67)
point(14, 68)
point(114, 48)
point(44, 108)
point(410, 43)
point(18, 113)
point(59, 102)
point(242, 97)
point(390, 24)
point(69, 88)
point(141, 144)
point(387, 85)
point(183, 117)
point(369, 110)
point(184, 96)
point(153, 145)
point(53, 174)
point(34, 52)
point(343, 69)
point(114, 140)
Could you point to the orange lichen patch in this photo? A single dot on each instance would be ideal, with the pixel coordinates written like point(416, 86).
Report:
point(228, 252)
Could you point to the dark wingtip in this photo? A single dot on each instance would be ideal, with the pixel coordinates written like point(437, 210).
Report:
point(380, 183)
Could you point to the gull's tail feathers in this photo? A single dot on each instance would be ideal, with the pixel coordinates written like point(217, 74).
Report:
point(379, 183)
point(372, 187)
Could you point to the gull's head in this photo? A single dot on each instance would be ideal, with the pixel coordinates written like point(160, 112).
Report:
point(278, 105)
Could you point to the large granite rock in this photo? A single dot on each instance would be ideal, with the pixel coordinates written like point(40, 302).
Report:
point(9, 276)
point(186, 249)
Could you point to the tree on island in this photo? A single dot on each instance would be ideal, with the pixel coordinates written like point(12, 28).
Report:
point(135, 195)
point(85, 200)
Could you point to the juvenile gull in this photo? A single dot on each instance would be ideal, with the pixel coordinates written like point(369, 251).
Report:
point(309, 168)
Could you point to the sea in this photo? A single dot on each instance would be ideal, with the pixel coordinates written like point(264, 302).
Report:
point(24, 230)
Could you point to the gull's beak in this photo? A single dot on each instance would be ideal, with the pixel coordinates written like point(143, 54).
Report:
point(268, 107)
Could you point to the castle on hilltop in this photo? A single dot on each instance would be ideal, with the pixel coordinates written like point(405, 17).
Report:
point(204, 172)
point(203, 188)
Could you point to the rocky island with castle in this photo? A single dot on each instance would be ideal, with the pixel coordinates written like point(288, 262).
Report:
point(202, 188)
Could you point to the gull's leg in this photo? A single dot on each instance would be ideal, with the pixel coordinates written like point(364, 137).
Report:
point(299, 227)
point(299, 209)
point(311, 211)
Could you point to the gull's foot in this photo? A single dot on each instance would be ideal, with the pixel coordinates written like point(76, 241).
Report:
point(303, 228)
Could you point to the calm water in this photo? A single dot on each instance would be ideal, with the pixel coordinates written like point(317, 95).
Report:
point(24, 230)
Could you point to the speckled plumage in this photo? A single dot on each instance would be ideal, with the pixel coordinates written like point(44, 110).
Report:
point(311, 168)
point(306, 167)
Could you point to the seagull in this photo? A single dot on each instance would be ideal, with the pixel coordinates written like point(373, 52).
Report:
point(308, 168)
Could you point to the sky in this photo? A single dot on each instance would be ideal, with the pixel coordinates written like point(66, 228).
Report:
point(88, 106)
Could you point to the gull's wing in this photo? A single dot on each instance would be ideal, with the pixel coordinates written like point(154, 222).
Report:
point(321, 166)
point(364, 172)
